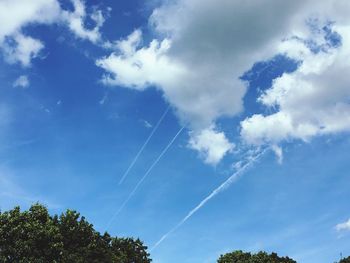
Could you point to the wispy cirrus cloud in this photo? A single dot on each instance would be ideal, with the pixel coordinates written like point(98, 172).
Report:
point(345, 226)
point(22, 82)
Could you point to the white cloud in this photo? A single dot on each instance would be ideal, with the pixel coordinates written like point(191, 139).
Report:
point(211, 144)
point(343, 226)
point(202, 50)
point(126, 46)
point(98, 17)
point(278, 152)
point(21, 81)
point(139, 68)
point(75, 21)
point(313, 100)
point(203, 47)
point(22, 49)
point(15, 15)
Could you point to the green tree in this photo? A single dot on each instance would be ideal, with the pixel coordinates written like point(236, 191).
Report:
point(261, 257)
point(129, 250)
point(29, 236)
point(35, 236)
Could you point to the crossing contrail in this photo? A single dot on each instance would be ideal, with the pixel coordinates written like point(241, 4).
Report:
point(144, 176)
point(144, 146)
point(218, 190)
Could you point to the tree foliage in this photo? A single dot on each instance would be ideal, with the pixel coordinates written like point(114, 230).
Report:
point(245, 257)
point(35, 236)
point(345, 260)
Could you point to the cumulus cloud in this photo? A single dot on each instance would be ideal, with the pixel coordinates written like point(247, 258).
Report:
point(203, 47)
point(75, 21)
point(17, 14)
point(313, 100)
point(343, 226)
point(202, 50)
point(211, 144)
point(14, 15)
point(21, 49)
point(139, 68)
point(21, 81)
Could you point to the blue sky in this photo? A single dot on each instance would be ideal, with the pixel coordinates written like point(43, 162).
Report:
point(260, 88)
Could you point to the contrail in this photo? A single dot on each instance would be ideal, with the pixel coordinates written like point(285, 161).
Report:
point(143, 146)
point(218, 190)
point(144, 176)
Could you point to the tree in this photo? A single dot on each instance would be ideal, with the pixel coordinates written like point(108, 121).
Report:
point(129, 250)
point(35, 236)
point(261, 257)
point(345, 260)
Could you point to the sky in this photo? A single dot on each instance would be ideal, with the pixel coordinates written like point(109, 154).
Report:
point(201, 127)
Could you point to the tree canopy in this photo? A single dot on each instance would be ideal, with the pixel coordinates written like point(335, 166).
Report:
point(35, 236)
point(345, 260)
point(246, 257)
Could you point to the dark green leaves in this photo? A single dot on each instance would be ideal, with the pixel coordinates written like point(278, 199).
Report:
point(35, 236)
point(261, 257)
